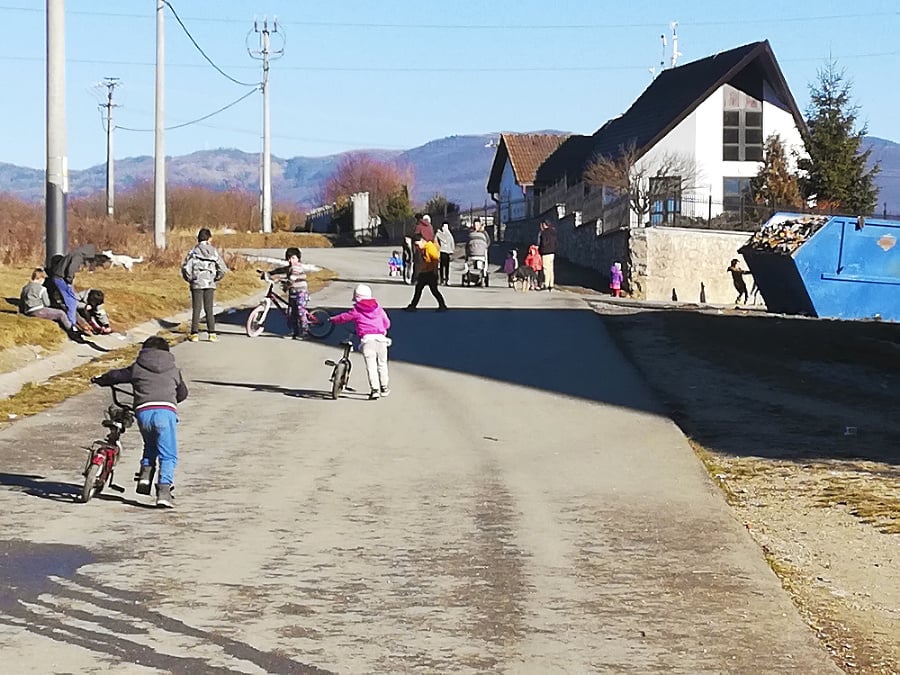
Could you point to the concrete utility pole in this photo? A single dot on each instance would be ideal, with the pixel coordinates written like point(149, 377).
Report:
point(266, 54)
point(110, 83)
point(57, 177)
point(159, 151)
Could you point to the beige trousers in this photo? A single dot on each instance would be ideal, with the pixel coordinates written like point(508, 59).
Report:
point(375, 352)
point(549, 279)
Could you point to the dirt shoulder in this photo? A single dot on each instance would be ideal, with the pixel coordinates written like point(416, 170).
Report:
point(796, 420)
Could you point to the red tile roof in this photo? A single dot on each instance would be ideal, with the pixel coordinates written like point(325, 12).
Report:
point(526, 153)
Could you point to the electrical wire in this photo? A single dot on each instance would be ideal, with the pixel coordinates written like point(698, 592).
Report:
point(203, 53)
point(199, 119)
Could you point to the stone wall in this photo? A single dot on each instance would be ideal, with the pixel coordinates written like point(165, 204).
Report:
point(688, 261)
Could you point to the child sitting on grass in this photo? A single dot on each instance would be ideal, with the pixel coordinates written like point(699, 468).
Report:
point(35, 301)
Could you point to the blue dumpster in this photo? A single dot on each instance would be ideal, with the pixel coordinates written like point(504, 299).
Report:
point(834, 267)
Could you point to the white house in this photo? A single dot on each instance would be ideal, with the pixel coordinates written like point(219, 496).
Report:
point(716, 113)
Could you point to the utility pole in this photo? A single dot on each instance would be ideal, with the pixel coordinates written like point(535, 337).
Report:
point(266, 54)
point(110, 83)
point(159, 152)
point(57, 180)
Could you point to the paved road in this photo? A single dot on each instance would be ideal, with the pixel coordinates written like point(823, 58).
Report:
point(517, 505)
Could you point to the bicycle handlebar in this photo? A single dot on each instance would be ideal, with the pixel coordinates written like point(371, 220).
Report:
point(116, 392)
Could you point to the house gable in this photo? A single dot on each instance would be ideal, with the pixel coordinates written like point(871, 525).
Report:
point(668, 101)
point(525, 153)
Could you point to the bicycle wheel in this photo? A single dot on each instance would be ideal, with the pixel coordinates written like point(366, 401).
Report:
point(320, 325)
point(256, 321)
point(338, 379)
point(90, 482)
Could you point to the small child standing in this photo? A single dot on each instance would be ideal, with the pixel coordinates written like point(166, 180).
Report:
point(298, 291)
point(535, 262)
point(158, 389)
point(395, 264)
point(372, 324)
point(510, 265)
point(737, 278)
point(615, 280)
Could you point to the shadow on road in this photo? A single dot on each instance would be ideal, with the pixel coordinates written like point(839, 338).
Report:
point(40, 582)
point(38, 486)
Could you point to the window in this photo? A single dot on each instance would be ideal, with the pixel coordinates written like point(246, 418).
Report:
point(733, 191)
point(742, 131)
point(665, 204)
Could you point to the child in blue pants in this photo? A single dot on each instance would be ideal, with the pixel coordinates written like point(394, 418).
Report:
point(158, 389)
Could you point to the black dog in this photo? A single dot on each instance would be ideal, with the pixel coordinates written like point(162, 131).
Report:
point(526, 276)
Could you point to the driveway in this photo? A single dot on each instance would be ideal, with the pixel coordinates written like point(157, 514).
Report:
point(518, 504)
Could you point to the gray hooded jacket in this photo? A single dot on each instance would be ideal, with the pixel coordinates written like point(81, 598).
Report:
point(203, 267)
point(156, 380)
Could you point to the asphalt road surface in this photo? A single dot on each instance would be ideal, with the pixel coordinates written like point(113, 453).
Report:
point(518, 504)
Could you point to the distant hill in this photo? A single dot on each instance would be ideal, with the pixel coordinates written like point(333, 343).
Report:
point(456, 166)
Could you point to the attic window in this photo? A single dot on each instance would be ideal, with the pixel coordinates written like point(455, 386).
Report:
point(742, 127)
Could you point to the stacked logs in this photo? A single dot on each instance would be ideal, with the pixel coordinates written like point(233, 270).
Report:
point(786, 236)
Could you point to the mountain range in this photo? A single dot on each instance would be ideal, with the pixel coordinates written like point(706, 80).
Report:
point(456, 166)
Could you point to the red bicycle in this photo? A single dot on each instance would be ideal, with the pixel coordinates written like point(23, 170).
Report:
point(103, 455)
point(318, 320)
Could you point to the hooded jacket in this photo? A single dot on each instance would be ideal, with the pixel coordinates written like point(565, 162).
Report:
point(533, 259)
point(444, 239)
point(424, 228)
point(203, 266)
point(370, 318)
point(67, 266)
point(156, 380)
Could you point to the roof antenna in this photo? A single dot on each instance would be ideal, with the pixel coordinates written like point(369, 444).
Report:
point(675, 52)
point(662, 56)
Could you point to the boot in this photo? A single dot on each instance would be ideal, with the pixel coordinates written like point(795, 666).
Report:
point(144, 478)
point(164, 496)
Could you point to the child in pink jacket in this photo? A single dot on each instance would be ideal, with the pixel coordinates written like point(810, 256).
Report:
point(372, 324)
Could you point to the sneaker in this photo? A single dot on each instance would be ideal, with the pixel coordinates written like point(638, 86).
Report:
point(164, 496)
point(373, 395)
point(213, 337)
point(385, 391)
point(443, 309)
point(144, 479)
point(193, 337)
point(409, 308)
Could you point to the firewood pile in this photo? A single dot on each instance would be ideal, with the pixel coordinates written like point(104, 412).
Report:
point(786, 236)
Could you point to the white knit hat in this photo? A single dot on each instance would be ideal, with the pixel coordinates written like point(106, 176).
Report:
point(426, 218)
point(362, 292)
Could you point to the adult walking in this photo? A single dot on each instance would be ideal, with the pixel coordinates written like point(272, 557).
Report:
point(424, 228)
point(447, 246)
point(428, 273)
point(203, 268)
point(62, 271)
point(547, 249)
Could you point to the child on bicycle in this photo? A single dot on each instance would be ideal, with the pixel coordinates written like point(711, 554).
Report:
point(297, 288)
point(158, 389)
point(372, 324)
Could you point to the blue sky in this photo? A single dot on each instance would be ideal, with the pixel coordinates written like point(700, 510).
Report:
point(396, 74)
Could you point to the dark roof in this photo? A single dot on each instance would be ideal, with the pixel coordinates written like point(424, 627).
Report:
point(668, 100)
point(526, 152)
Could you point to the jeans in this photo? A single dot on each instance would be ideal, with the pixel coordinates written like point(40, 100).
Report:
point(157, 427)
point(297, 317)
point(375, 352)
point(68, 296)
point(429, 279)
point(203, 297)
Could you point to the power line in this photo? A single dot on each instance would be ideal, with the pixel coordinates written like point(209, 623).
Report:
point(438, 26)
point(199, 119)
point(200, 49)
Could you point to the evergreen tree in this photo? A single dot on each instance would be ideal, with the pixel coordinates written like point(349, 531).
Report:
point(775, 185)
point(836, 170)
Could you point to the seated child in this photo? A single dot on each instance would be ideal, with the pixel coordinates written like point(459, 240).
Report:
point(92, 312)
point(297, 288)
point(510, 265)
point(395, 264)
point(35, 301)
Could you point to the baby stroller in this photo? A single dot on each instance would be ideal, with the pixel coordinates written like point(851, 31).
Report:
point(475, 271)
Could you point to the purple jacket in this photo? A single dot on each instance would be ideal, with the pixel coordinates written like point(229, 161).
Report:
point(369, 316)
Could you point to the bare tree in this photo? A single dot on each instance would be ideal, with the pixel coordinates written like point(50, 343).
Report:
point(359, 172)
point(643, 181)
